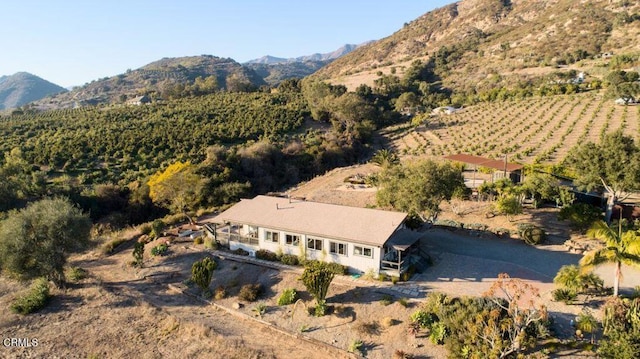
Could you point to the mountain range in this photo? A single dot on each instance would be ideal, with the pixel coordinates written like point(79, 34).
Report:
point(22, 88)
point(329, 56)
point(473, 45)
point(169, 74)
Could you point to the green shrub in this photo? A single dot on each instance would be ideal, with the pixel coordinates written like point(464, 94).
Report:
point(288, 296)
point(423, 318)
point(355, 346)
point(260, 309)
point(138, 254)
point(447, 223)
point(317, 278)
point(250, 292)
point(35, 299)
point(160, 250)
point(403, 302)
point(210, 243)
point(220, 293)
point(438, 332)
point(335, 268)
point(508, 205)
point(145, 228)
point(202, 272)
point(564, 295)
point(266, 255)
point(289, 259)
point(157, 227)
point(76, 274)
point(580, 215)
point(198, 240)
point(240, 252)
point(386, 300)
point(531, 234)
point(571, 277)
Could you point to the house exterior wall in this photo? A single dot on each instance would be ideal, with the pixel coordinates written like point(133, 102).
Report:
point(359, 258)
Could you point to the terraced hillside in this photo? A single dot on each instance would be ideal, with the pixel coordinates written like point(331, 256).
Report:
point(539, 129)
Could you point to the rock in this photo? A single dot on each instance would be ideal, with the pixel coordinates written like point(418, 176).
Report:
point(236, 305)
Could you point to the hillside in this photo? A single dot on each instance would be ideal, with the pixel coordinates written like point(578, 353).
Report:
point(23, 87)
point(276, 72)
point(480, 44)
point(159, 78)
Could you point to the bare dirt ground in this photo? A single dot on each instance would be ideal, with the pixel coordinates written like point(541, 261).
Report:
point(120, 311)
point(123, 312)
point(332, 188)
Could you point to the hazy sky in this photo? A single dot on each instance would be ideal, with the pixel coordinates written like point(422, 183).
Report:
point(71, 42)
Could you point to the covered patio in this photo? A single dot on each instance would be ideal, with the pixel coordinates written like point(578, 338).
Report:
point(232, 232)
point(400, 252)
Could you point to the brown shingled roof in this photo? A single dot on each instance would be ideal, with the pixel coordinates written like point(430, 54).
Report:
point(360, 225)
point(485, 162)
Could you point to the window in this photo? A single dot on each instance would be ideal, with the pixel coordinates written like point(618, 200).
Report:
point(291, 239)
point(363, 251)
point(338, 248)
point(271, 236)
point(315, 244)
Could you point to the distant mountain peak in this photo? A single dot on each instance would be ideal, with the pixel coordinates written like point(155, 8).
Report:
point(23, 87)
point(329, 56)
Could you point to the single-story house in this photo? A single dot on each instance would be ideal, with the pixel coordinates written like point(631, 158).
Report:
point(139, 100)
point(363, 239)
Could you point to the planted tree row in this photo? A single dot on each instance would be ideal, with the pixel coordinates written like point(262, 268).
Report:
point(142, 138)
point(536, 130)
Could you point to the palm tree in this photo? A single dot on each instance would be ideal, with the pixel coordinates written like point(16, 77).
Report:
point(385, 158)
point(620, 247)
